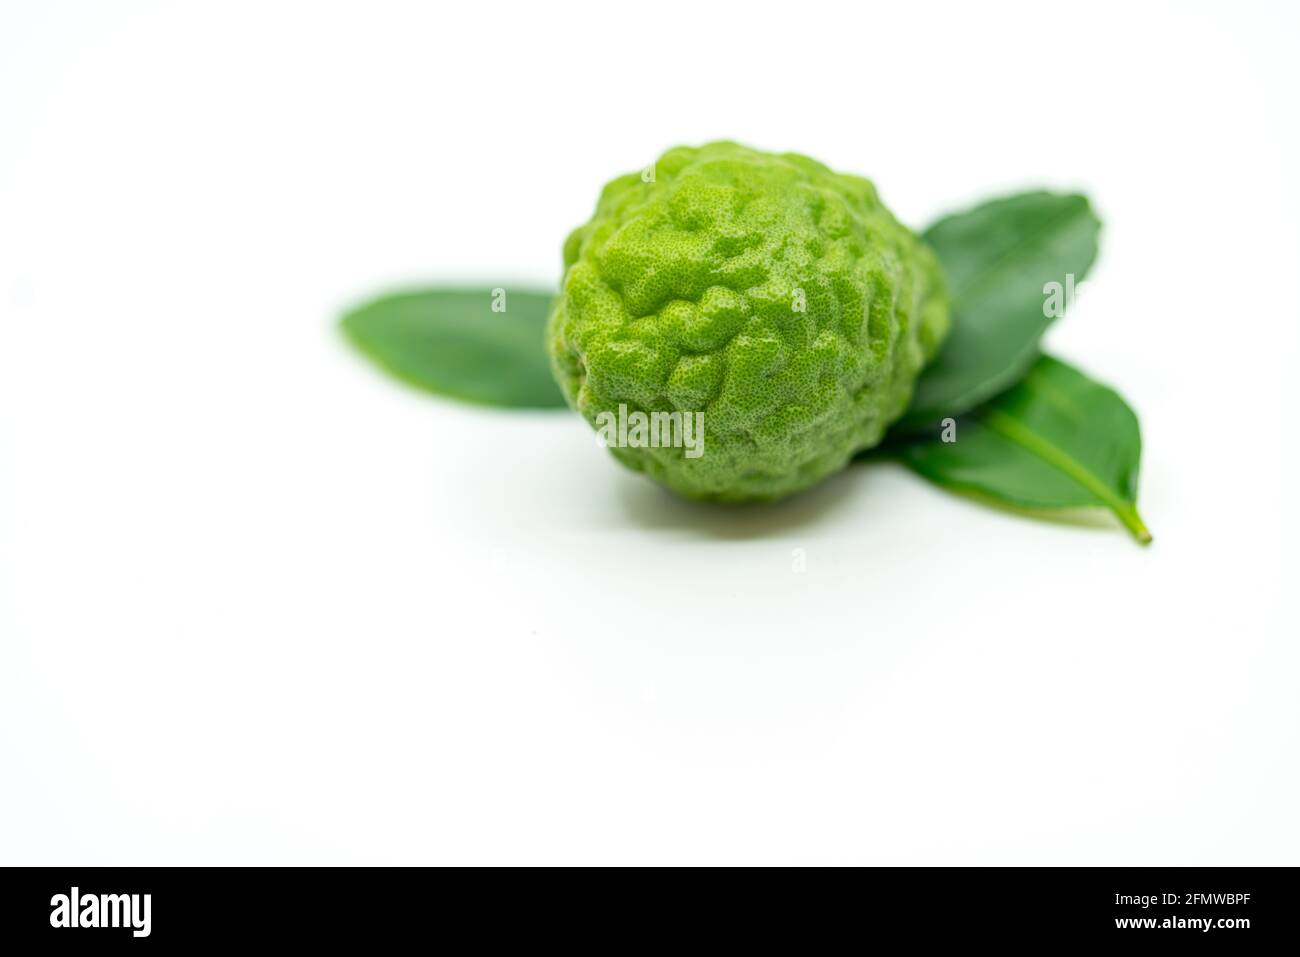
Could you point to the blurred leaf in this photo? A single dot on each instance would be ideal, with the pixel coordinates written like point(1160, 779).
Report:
point(450, 341)
point(997, 258)
point(1058, 440)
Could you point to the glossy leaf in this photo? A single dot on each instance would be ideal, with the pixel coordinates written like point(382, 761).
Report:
point(997, 259)
point(1058, 440)
point(451, 341)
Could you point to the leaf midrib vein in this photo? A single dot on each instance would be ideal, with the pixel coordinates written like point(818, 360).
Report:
point(1019, 434)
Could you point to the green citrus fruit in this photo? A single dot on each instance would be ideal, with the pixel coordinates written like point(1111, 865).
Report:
point(773, 301)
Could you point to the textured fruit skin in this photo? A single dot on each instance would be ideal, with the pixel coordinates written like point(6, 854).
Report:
point(683, 293)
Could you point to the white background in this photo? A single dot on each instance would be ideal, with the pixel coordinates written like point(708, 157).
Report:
point(259, 604)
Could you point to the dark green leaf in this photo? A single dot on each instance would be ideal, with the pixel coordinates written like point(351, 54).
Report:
point(452, 342)
point(997, 258)
point(1058, 440)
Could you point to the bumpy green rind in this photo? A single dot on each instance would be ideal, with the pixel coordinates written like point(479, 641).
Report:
point(779, 298)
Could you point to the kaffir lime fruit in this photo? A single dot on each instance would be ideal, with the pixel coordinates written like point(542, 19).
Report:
point(778, 298)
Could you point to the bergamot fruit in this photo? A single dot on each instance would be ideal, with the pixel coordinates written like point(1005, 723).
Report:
point(773, 300)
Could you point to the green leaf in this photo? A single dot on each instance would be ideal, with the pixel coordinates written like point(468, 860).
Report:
point(451, 341)
point(1056, 441)
point(997, 259)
